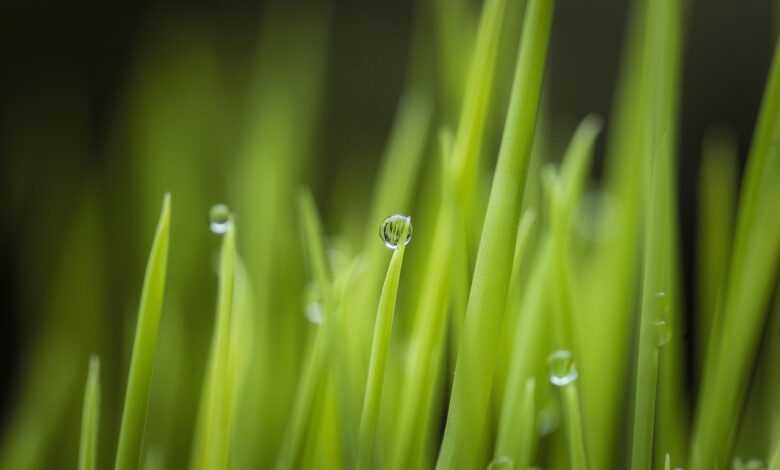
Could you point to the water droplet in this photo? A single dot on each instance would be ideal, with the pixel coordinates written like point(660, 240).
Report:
point(314, 313)
point(662, 304)
point(312, 308)
point(220, 218)
point(663, 333)
point(563, 371)
point(501, 463)
point(393, 229)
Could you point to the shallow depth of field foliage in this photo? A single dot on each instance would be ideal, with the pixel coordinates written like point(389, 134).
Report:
point(536, 318)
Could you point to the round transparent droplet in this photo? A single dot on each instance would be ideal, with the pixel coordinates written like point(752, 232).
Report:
point(501, 463)
point(663, 333)
point(562, 368)
point(392, 231)
point(220, 218)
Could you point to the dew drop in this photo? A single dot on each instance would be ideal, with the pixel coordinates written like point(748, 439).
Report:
point(313, 313)
point(393, 229)
point(220, 218)
point(663, 333)
point(562, 368)
point(501, 463)
point(312, 308)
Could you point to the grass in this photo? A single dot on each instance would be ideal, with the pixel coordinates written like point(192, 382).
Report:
point(521, 256)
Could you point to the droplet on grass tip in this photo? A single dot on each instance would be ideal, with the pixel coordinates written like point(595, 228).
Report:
point(562, 368)
point(501, 463)
point(220, 218)
point(393, 229)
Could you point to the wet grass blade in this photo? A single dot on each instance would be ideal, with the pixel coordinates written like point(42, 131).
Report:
point(484, 312)
point(141, 363)
point(219, 384)
point(428, 336)
point(90, 418)
point(383, 327)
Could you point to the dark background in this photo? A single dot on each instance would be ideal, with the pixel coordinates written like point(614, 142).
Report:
point(56, 54)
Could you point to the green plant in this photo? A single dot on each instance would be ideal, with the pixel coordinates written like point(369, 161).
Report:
point(541, 313)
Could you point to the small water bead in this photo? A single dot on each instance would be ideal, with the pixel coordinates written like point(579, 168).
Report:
point(563, 371)
point(313, 313)
point(312, 308)
point(662, 304)
point(663, 333)
point(393, 228)
point(220, 218)
point(501, 463)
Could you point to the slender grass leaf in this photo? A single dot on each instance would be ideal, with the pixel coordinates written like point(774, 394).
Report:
point(141, 363)
point(90, 418)
point(477, 351)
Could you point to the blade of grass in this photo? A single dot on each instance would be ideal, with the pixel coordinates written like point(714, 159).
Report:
point(477, 351)
point(314, 368)
point(428, 335)
point(717, 198)
point(753, 266)
point(90, 418)
point(218, 386)
point(137, 394)
point(474, 112)
point(382, 330)
point(517, 435)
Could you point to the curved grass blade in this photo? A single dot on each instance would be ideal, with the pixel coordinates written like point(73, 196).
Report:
point(753, 266)
point(137, 394)
point(90, 418)
point(376, 372)
point(476, 357)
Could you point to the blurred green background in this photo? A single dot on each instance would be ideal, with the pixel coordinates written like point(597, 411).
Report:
point(107, 106)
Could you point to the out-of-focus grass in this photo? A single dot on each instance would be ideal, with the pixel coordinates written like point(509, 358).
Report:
point(310, 360)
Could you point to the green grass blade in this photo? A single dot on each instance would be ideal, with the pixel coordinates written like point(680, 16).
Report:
point(376, 372)
point(314, 368)
point(428, 336)
point(141, 364)
point(574, 429)
point(474, 111)
point(476, 357)
point(753, 266)
point(90, 418)
point(717, 198)
point(530, 345)
point(219, 383)
point(517, 434)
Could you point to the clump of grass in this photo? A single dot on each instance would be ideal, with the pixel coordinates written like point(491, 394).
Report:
point(523, 331)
